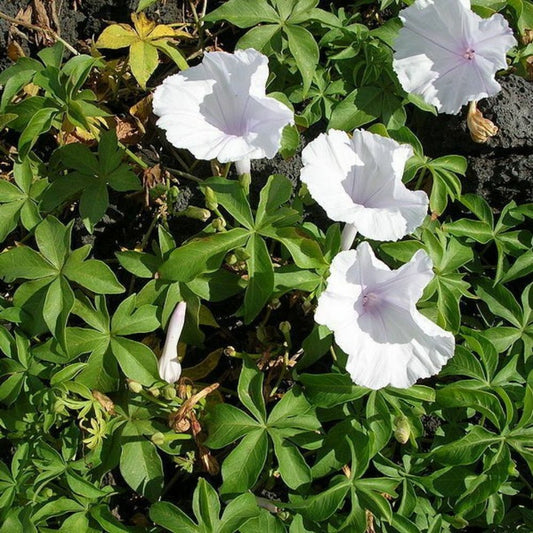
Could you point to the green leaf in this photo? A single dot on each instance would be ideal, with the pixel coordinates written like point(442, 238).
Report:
point(329, 390)
point(321, 506)
point(258, 37)
point(466, 450)
point(136, 360)
point(93, 275)
point(237, 512)
point(140, 264)
point(241, 468)
point(201, 255)
point(474, 229)
point(260, 278)
point(53, 240)
point(301, 245)
point(39, 123)
point(305, 51)
point(292, 466)
point(501, 302)
point(206, 505)
point(170, 517)
point(128, 320)
point(250, 389)
point(93, 203)
point(107, 521)
point(23, 262)
point(479, 207)
point(230, 195)
point(274, 194)
point(226, 424)
point(357, 109)
point(244, 14)
point(143, 4)
point(140, 464)
point(484, 402)
point(294, 412)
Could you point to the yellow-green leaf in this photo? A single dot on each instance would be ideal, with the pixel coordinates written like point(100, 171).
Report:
point(143, 26)
point(172, 52)
point(143, 61)
point(117, 36)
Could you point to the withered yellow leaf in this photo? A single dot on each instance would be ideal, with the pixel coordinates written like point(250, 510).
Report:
point(143, 61)
point(143, 26)
point(117, 36)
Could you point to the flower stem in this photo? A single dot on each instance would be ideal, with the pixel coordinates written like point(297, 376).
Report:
point(348, 236)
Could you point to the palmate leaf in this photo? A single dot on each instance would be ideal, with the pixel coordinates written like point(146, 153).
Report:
point(291, 416)
point(107, 344)
point(206, 508)
point(89, 178)
point(50, 273)
point(144, 40)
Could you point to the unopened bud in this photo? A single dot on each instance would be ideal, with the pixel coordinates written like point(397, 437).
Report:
point(285, 328)
point(134, 386)
point(105, 401)
point(155, 392)
point(242, 254)
point(402, 429)
point(169, 392)
point(210, 199)
point(198, 213)
point(230, 351)
point(158, 439)
point(481, 128)
point(231, 259)
point(218, 224)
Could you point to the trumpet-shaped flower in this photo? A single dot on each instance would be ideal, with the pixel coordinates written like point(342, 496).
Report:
point(169, 365)
point(219, 110)
point(372, 313)
point(358, 180)
point(448, 54)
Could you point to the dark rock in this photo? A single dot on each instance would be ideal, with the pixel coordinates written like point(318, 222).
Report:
point(500, 179)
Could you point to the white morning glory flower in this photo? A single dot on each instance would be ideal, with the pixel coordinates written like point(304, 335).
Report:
point(358, 180)
point(449, 55)
point(219, 110)
point(372, 313)
point(169, 366)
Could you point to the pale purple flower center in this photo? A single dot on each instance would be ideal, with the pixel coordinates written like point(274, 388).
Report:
point(469, 54)
point(370, 301)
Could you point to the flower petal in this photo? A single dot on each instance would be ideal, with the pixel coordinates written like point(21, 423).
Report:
point(371, 311)
point(359, 181)
point(448, 54)
point(218, 109)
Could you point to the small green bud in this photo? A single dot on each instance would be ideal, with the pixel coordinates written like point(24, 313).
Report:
point(169, 392)
point(241, 254)
point(231, 259)
point(210, 199)
point(155, 392)
point(198, 213)
point(285, 328)
point(402, 429)
point(134, 386)
point(230, 351)
point(218, 224)
point(158, 439)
